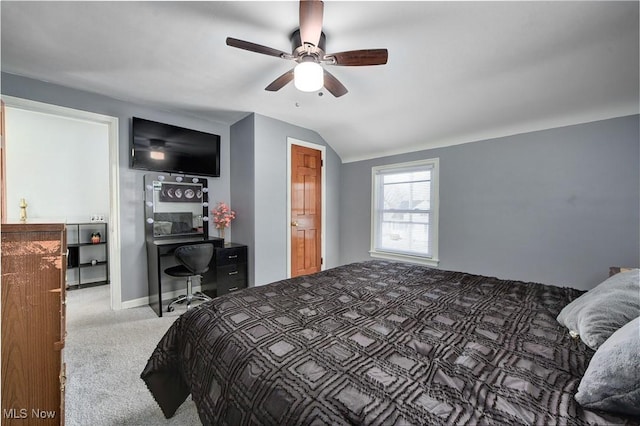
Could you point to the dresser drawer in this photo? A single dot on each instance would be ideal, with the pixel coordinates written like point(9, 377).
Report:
point(231, 278)
point(231, 255)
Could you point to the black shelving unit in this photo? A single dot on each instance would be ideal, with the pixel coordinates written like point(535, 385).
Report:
point(87, 260)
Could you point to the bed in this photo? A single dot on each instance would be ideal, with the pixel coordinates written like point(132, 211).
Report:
point(377, 343)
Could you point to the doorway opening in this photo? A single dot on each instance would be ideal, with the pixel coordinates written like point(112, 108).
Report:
point(107, 128)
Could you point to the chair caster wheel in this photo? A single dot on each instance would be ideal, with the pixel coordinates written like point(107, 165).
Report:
point(170, 309)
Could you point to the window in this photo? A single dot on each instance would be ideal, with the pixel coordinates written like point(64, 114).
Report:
point(404, 223)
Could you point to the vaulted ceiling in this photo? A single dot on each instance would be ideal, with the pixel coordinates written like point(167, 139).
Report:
point(457, 71)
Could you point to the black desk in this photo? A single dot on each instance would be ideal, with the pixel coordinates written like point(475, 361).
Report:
point(160, 253)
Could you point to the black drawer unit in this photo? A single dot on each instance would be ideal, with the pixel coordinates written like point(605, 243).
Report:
point(231, 268)
point(232, 254)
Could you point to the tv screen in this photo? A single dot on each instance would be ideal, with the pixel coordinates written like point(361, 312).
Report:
point(165, 148)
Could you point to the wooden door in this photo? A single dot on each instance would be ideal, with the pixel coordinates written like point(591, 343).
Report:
point(306, 210)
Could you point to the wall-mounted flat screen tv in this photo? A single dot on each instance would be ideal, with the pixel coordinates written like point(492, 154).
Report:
point(166, 148)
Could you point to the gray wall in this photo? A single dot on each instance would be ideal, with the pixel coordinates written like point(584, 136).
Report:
point(557, 206)
point(133, 255)
point(262, 162)
point(243, 186)
point(259, 186)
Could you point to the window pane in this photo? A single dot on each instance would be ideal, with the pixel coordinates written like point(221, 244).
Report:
point(407, 237)
point(407, 196)
point(407, 176)
point(405, 217)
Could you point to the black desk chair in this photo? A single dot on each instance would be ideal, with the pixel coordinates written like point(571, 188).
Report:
point(194, 260)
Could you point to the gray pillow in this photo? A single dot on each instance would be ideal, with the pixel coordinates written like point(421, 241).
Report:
point(612, 380)
point(601, 311)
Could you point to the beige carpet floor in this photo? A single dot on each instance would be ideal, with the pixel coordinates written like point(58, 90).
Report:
point(105, 353)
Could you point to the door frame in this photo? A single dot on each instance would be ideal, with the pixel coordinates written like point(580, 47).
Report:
point(114, 178)
point(323, 150)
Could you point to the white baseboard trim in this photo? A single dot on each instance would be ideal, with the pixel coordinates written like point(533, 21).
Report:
point(143, 301)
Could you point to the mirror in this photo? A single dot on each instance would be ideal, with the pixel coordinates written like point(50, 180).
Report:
point(175, 206)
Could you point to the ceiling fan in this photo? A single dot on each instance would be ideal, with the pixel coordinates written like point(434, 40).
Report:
point(308, 50)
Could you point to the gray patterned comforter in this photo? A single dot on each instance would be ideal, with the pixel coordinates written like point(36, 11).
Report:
point(376, 343)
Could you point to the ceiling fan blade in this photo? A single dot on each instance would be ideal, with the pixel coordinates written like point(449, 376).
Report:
point(332, 84)
point(280, 82)
point(253, 47)
point(311, 21)
point(355, 58)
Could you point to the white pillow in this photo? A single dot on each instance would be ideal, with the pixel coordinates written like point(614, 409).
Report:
point(598, 313)
point(612, 380)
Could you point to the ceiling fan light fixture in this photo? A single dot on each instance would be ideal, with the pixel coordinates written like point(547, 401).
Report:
point(308, 76)
point(308, 50)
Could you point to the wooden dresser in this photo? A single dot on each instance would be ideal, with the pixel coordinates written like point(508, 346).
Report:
point(33, 323)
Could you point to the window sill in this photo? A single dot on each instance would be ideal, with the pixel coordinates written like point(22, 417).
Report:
point(405, 258)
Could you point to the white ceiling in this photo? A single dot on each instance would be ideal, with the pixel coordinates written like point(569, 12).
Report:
point(457, 71)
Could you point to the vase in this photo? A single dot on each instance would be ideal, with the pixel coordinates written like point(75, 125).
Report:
point(221, 233)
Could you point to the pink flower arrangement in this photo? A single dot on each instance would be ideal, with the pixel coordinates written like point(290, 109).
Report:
point(223, 215)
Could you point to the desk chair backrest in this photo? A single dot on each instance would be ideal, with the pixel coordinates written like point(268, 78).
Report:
point(195, 257)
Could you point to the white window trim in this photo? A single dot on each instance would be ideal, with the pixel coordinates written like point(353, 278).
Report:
point(433, 260)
